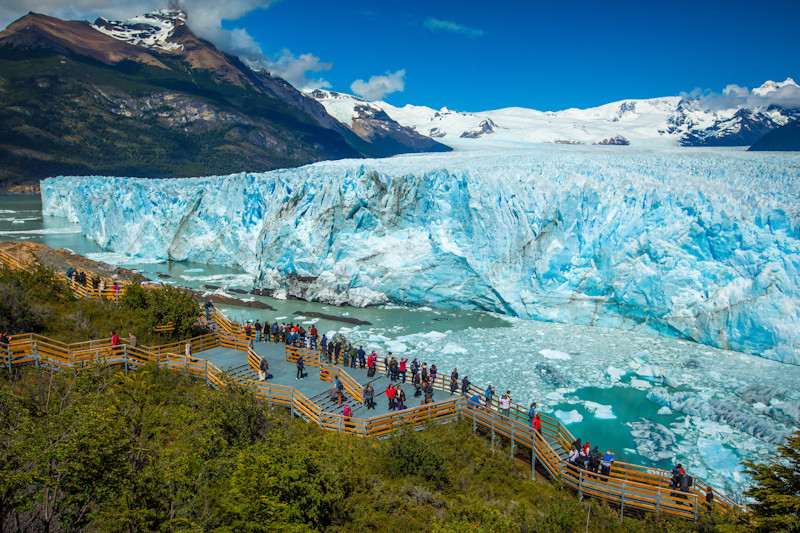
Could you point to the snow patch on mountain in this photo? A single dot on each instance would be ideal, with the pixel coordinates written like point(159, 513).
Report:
point(151, 30)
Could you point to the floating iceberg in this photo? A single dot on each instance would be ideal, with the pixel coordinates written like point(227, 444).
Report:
point(703, 245)
point(569, 417)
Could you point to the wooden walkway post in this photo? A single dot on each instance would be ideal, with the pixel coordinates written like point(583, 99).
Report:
point(512, 440)
point(125, 353)
point(492, 432)
point(622, 504)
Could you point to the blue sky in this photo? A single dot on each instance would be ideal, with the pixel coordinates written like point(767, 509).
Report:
point(474, 56)
point(543, 55)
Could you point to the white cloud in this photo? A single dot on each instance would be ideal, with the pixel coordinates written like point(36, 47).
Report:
point(379, 86)
point(295, 69)
point(735, 96)
point(435, 24)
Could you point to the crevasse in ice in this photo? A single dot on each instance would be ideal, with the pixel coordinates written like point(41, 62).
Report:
point(697, 244)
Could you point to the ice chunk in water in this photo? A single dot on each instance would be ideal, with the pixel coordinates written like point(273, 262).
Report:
point(569, 417)
point(554, 354)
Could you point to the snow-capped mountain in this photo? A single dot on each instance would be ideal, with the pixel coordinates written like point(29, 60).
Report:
point(372, 124)
point(670, 120)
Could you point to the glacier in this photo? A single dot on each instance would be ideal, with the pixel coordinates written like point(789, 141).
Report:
point(701, 244)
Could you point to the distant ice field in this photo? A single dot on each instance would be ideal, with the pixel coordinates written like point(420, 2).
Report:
point(693, 243)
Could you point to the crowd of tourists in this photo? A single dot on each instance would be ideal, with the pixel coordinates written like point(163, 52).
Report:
point(96, 283)
point(422, 379)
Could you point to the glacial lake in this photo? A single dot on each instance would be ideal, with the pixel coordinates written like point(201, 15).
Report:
point(610, 386)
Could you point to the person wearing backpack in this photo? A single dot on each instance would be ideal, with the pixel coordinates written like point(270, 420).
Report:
point(263, 367)
point(488, 396)
point(594, 459)
point(606, 462)
point(300, 367)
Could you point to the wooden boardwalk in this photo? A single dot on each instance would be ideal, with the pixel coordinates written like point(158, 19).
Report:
point(225, 357)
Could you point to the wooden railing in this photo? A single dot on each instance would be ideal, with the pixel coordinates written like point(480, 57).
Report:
point(79, 290)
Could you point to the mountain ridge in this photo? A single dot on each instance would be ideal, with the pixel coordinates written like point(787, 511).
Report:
point(669, 120)
point(76, 100)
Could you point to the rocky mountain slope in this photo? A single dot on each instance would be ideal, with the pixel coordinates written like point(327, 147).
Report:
point(783, 139)
point(372, 124)
point(146, 97)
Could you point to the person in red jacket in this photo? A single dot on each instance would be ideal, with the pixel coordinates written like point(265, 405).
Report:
point(402, 368)
point(537, 424)
point(390, 392)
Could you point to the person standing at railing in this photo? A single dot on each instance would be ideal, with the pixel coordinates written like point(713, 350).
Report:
point(263, 367)
point(401, 367)
point(323, 344)
point(433, 373)
point(209, 306)
point(532, 411)
point(424, 372)
point(362, 357)
point(116, 292)
point(275, 329)
point(537, 424)
point(605, 464)
point(393, 369)
point(188, 350)
point(312, 335)
point(505, 403)
point(257, 327)
point(348, 413)
point(372, 360)
point(114, 343)
point(465, 383)
point(487, 396)
point(572, 458)
point(101, 288)
point(453, 381)
point(595, 459)
point(414, 368)
point(369, 396)
point(131, 340)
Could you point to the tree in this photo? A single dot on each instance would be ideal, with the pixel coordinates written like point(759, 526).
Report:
point(161, 306)
point(776, 489)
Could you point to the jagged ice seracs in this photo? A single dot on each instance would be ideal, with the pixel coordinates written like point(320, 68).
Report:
point(700, 244)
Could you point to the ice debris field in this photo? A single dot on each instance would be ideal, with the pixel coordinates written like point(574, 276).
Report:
point(699, 244)
point(708, 408)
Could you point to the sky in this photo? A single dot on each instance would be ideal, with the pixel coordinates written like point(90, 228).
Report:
point(475, 56)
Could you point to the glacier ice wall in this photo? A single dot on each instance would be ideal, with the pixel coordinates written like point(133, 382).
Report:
point(703, 244)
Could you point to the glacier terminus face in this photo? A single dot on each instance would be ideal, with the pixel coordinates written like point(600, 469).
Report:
point(701, 244)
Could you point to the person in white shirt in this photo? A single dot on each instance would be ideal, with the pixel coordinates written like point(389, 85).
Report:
point(505, 403)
